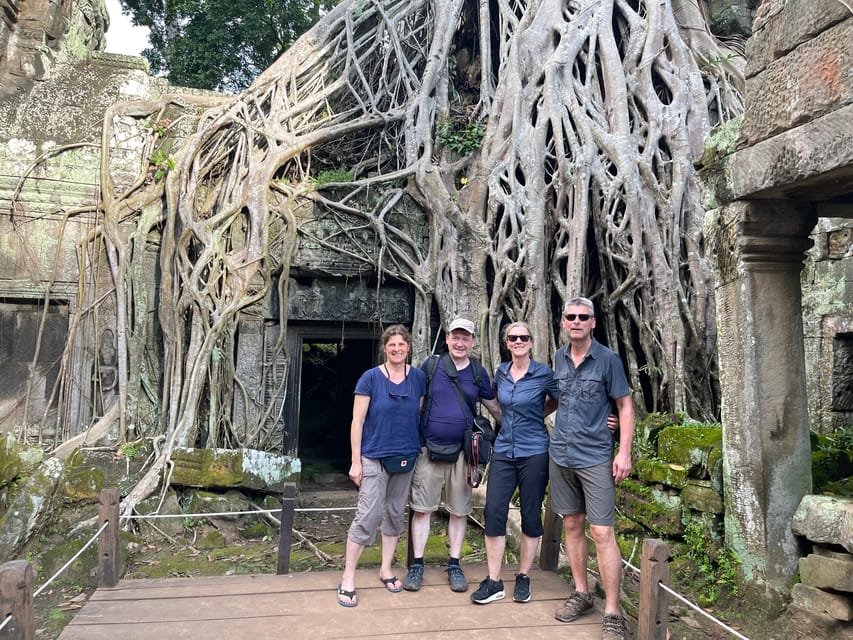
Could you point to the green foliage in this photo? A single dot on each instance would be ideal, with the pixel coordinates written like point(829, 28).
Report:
point(461, 138)
point(718, 565)
point(327, 176)
point(220, 44)
point(162, 163)
point(129, 450)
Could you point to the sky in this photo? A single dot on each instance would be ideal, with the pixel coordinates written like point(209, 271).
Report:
point(122, 37)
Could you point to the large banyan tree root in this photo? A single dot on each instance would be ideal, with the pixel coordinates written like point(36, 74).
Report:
point(549, 145)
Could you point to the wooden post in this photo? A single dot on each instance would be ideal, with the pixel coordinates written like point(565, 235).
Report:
point(549, 554)
point(16, 600)
point(285, 536)
point(654, 601)
point(108, 560)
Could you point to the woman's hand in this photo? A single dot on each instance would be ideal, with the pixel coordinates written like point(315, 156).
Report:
point(356, 473)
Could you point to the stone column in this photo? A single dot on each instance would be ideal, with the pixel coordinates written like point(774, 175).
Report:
point(767, 457)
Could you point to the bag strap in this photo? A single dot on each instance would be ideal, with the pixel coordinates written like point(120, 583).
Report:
point(464, 402)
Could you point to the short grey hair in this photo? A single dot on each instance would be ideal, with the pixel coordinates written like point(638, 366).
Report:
point(585, 302)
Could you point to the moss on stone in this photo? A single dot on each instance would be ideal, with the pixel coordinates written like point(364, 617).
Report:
point(697, 448)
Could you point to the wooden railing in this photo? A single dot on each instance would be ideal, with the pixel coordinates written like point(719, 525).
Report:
point(16, 577)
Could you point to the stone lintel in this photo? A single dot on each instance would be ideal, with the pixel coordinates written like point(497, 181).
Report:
point(812, 162)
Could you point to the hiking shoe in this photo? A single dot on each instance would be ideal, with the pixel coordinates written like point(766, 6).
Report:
point(614, 627)
point(577, 605)
point(521, 593)
point(456, 578)
point(489, 591)
point(413, 579)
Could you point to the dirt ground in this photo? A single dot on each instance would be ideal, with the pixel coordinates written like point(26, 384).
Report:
point(249, 545)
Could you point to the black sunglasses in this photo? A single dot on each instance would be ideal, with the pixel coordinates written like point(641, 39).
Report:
point(583, 317)
point(514, 338)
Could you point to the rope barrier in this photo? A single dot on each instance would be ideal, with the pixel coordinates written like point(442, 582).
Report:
point(230, 513)
point(5, 621)
point(700, 610)
point(678, 596)
point(73, 558)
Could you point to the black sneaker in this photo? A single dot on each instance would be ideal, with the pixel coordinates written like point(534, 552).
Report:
point(489, 591)
point(413, 579)
point(521, 593)
point(456, 578)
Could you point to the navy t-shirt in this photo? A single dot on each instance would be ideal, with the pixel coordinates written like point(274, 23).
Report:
point(391, 424)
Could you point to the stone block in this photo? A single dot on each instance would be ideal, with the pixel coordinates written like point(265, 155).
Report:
point(700, 495)
point(795, 22)
point(808, 82)
point(825, 520)
point(828, 572)
point(656, 510)
point(693, 447)
point(232, 468)
point(659, 472)
point(835, 605)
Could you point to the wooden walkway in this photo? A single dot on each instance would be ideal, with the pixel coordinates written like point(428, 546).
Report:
point(304, 605)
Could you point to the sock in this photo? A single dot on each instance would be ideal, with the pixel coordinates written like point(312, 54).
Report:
point(419, 561)
point(453, 561)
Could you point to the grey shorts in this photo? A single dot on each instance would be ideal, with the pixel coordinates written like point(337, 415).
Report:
point(431, 477)
point(591, 491)
point(381, 500)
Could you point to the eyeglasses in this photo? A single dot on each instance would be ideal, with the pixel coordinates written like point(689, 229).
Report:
point(515, 338)
point(403, 393)
point(583, 317)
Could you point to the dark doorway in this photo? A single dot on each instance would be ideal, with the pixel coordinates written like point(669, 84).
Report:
point(329, 373)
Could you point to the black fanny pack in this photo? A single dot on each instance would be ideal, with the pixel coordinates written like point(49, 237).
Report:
point(399, 464)
point(439, 452)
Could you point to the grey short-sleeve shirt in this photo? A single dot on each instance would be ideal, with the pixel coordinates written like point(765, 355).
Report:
point(580, 437)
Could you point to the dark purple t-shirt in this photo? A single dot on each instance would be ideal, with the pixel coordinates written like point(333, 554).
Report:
point(447, 422)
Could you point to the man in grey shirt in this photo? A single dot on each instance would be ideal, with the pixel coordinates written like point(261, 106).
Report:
point(583, 469)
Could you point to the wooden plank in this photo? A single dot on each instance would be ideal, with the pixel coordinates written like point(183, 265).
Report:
point(305, 606)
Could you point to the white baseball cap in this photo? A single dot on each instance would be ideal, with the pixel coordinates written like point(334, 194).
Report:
point(461, 323)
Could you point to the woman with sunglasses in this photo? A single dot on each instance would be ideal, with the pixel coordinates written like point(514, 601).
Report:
point(520, 460)
point(385, 445)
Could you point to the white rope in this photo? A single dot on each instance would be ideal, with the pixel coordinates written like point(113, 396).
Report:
point(5, 622)
point(704, 613)
point(73, 558)
point(229, 513)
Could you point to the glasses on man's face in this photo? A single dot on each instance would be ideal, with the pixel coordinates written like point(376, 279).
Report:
point(524, 338)
point(583, 317)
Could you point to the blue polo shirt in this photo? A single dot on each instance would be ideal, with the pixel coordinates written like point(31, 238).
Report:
point(580, 437)
point(391, 424)
point(523, 431)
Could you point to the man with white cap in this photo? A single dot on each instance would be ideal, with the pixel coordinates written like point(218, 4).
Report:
point(441, 464)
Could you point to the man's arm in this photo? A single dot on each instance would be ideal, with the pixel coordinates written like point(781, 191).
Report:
point(622, 461)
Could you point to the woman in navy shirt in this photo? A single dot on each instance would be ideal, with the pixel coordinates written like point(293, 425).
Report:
point(385, 444)
point(520, 460)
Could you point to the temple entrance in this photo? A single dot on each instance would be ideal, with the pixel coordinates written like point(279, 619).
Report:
point(326, 363)
point(330, 371)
